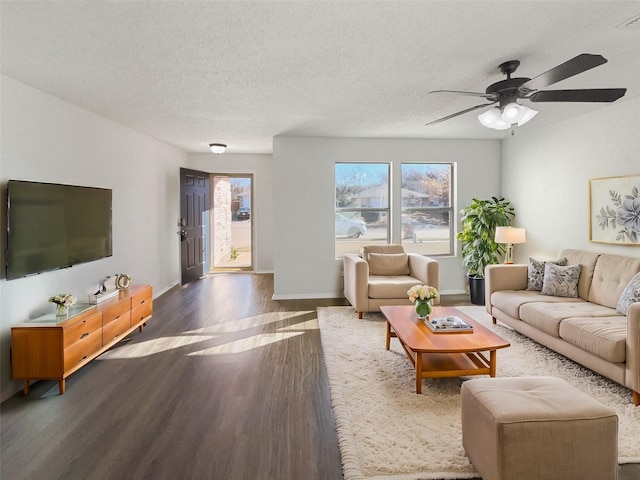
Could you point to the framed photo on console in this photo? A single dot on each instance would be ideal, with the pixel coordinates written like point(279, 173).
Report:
point(614, 210)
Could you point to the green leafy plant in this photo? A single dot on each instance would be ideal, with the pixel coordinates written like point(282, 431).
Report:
point(479, 222)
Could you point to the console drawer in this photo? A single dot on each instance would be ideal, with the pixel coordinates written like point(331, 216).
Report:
point(141, 297)
point(113, 330)
point(114, 313)
point(81, 329)
point(82, 349)
point(141, 312)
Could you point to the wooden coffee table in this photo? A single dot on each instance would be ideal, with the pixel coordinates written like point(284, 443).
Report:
point(437, 355)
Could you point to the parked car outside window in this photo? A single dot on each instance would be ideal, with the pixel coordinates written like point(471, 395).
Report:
point(244, 213)
point(349, 227)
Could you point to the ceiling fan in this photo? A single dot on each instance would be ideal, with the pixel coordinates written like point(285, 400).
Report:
point(505, 93)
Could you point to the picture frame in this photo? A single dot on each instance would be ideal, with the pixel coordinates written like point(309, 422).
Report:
point(614, 210)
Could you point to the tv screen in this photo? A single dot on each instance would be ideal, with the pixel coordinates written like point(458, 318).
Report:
point(52, 226)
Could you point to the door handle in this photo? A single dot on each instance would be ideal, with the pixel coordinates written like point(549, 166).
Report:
point(183, 235)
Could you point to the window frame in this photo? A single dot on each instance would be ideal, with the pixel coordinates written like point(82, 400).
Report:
point(395, 209)
point(430, 209)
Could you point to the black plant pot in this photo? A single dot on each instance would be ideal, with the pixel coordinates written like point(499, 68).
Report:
point(476, 289)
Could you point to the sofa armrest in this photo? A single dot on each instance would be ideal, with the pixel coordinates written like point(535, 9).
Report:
point(632, 375)
point(425, 269)
point(503, 277)
point(356, 281)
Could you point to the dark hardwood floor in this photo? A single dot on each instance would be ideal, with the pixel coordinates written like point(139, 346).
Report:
point(223, 383)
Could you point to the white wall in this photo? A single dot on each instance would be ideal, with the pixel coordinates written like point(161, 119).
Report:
point(546, 172)
point(46, 139)
point(261, 167)
point(304, 194)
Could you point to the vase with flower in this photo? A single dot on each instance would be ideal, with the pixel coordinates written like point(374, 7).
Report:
point(423, 296)
point(62, 302)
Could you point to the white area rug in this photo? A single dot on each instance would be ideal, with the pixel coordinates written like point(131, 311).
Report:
point(386, 431)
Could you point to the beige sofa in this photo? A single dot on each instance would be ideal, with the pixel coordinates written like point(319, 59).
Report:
point(382, 274)
point(587, 328)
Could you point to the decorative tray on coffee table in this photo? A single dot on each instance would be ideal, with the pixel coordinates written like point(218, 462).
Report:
point(450, 324)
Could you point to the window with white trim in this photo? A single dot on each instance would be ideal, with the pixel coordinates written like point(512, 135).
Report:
point(365, 215)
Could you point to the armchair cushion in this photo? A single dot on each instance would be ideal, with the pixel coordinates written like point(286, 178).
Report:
point(388, 264)
point(391, 286)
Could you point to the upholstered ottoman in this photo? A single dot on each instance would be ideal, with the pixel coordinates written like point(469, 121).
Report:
point(537, 428)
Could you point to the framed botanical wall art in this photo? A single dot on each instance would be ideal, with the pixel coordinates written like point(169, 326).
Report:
point(614, 210)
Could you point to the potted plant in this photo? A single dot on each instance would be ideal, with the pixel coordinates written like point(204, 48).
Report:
point(479, 248)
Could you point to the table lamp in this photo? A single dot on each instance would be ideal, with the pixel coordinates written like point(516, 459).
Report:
point(509, 236)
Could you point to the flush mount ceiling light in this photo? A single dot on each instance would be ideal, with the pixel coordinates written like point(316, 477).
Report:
point(511, 114)
point(217, 148)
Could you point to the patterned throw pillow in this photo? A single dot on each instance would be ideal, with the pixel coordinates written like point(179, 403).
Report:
point(535, 273)
point(561, 281)
point(630, 294)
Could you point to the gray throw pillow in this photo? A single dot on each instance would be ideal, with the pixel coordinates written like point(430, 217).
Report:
point(630, 294)
point(561, 281)
point(535, 273)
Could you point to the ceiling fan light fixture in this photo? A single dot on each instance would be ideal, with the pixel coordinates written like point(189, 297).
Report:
point(511, 113)
point(529, 114)
point(515, 113)
point(217, 148)
point(492, 118)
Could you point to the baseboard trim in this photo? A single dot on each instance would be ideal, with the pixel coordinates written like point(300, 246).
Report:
point(306, 296)
point(312, 296)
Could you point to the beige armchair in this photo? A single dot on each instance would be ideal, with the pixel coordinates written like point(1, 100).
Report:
point(382, 274)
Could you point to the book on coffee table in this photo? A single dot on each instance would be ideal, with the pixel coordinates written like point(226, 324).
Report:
point(450, 324)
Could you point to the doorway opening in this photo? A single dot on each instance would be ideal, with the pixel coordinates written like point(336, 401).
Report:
point(232, 219)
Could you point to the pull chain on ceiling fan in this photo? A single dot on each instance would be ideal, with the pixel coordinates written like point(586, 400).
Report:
point(505, 93)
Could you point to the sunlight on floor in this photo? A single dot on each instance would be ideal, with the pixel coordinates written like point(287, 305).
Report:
point(153, 347)
point(246, 344)
point(249, 322)
point(217, 333)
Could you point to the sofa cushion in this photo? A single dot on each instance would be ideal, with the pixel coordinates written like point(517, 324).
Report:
point(630, 294)
point(605, 336)
point(510, 301)
point(546, 316)
point(535, 272)
point(391, 286)
point(610, 277)
point(561, 281)
point(388, 264)
point(588, 262)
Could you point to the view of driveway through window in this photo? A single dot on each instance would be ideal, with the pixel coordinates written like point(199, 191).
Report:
point(365, 216)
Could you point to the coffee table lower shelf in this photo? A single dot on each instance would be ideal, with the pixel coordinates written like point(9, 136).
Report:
point(441, 365)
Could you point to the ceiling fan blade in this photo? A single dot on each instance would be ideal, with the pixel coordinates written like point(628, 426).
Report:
point(586, 95)
point(489, 96)
point(460, 113)
point(576, 65)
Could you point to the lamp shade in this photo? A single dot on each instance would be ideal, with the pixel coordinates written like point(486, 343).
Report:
point(510, 235)
point(217, 148)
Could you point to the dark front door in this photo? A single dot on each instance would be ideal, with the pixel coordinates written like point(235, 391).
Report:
point(194, 205)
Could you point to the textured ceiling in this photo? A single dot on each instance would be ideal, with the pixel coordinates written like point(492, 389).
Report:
point(190, 72)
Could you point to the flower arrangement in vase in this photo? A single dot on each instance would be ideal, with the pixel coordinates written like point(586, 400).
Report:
point(422, 296)
point(62, 301)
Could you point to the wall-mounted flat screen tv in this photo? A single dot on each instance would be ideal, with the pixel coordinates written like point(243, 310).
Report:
point(52, 226)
